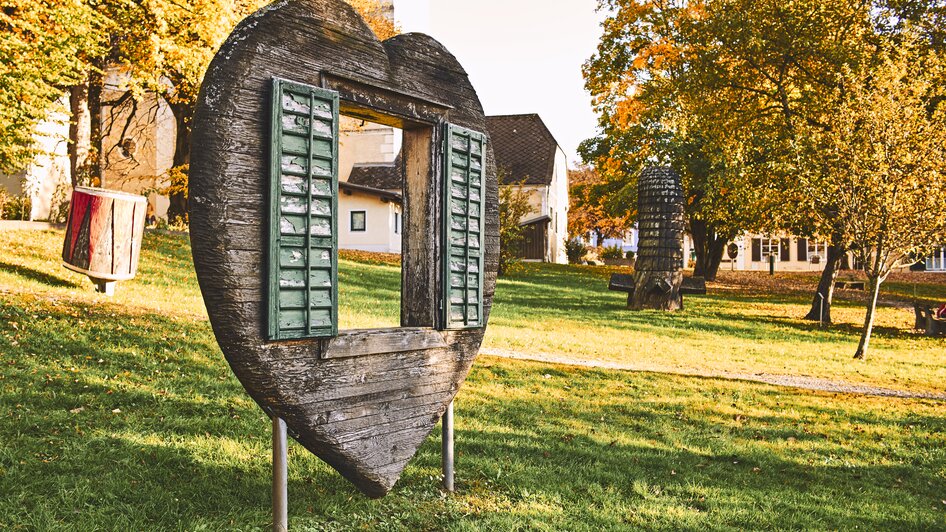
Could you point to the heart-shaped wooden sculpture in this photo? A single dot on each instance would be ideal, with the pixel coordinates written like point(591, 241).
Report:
point(363, 401)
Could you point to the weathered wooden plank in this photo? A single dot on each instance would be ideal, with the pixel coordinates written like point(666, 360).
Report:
point(364, 415)
point(421, 220)
point(379, 341)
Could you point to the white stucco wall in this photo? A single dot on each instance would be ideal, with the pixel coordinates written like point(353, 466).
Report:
point(538, 196)
point(46, 179)
point(552, 201)
point(152, 130)
point(558, 209)
point(744, 259)
point(379, 234)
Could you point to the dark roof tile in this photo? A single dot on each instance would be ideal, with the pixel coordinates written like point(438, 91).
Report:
point(524, 148)
point(380, 176)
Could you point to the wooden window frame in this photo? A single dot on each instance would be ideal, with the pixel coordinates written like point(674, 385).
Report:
point(769, 246)
point(351, 221)
point(423, 124)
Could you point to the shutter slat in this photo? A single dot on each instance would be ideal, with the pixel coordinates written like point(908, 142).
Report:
point(303, 260)
point(463, 228)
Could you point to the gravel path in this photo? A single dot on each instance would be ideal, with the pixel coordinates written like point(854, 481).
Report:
point(793, 381)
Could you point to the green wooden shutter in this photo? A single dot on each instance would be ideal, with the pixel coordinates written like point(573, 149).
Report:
point(303, 245)
point(802, 244)
point(464, 165)
point(756, 250)
point(785, 250)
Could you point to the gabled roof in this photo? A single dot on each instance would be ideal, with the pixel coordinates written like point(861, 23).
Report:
point(524, 148)
point(379, 176)
point(538, 219)
point(394, 197)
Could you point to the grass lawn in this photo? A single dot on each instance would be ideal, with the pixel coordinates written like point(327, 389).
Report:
point(121, 414)
point(748, 323)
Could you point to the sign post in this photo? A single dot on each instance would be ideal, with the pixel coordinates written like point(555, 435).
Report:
point(446, 443)
point(280, 477)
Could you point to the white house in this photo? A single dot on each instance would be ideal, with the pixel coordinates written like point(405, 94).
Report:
point(528, 157)
point(370, 204)
point(370, 218)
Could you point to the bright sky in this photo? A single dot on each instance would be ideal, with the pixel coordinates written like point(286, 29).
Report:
point(523, 56)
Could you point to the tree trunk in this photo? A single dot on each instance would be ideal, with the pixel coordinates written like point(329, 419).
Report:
point(715, 256)
point(80, 134)
point(94, 161)
point(177, 210)
point(709, 247)
point(699, 234)
point(659, 269)
point(821, 305)
point(861, 353)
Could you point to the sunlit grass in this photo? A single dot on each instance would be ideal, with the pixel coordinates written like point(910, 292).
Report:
point(568, 310)
point(121, 414)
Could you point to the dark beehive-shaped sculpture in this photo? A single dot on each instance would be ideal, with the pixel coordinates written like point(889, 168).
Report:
point(660, 247)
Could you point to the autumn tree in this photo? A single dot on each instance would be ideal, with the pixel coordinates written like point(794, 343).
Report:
point(379, 15)
point(43, 50)
point(773, 70)
point(588, 210)
point(164, 47)
point(882, 164)
point(738, 80)
point(771, 79)
point(635, 82)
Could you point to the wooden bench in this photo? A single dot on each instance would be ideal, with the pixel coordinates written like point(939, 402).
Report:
point(851, 285)
point(624, 282)
point(926, 320)
point(693, 286)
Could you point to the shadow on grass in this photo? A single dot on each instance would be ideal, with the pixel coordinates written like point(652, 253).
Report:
point(37, 276)
point(538, 447)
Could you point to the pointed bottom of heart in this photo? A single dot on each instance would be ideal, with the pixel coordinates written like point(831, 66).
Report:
point(369, 428)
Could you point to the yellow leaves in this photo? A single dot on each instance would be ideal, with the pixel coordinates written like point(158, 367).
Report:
point(378, 15)
point(628, 112)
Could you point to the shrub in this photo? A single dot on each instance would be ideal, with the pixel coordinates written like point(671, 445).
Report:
point(513, 205)
point(629, 255)
point(611, 252)
point(14, 207)
point(59, 203)
point(575, 250)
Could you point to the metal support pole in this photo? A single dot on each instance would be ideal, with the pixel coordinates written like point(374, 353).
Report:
point(821, 311)
point(446, 444)
point(280, 477)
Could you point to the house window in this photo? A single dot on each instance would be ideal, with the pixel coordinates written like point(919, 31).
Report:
point(397, 223)
point(785, 254)
point(762, 248)
point(816, 249)
point(357, 221)
point(937, 261)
